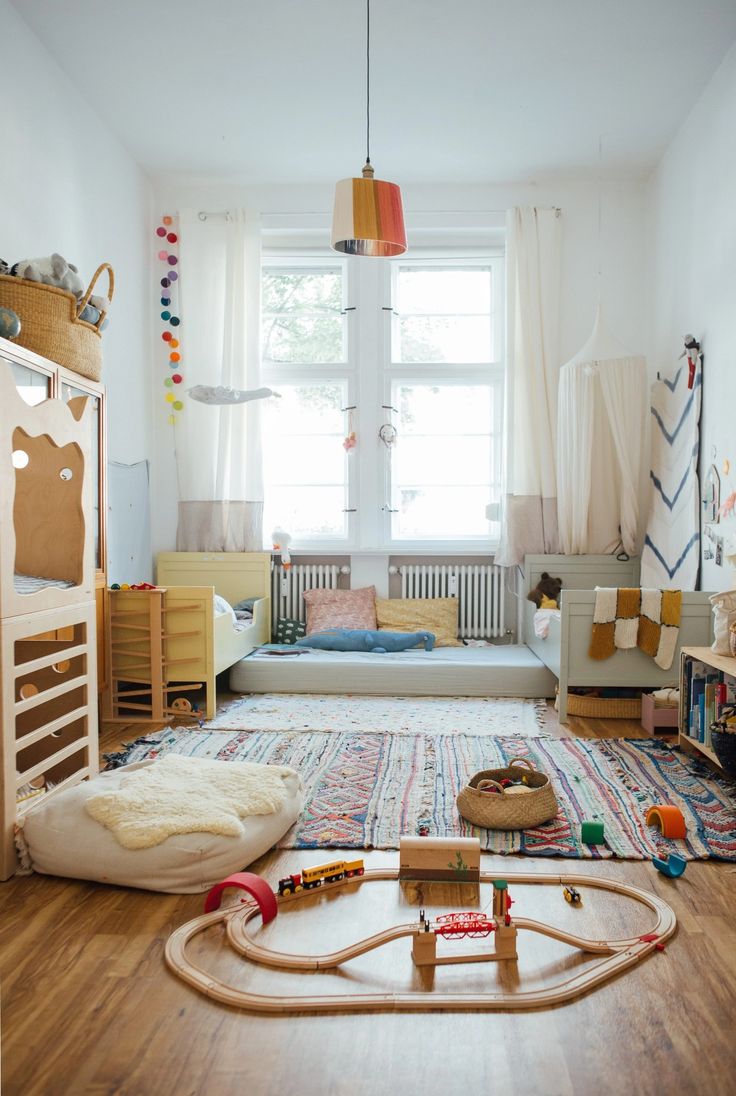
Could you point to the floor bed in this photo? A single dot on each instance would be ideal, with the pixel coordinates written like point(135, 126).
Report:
point(503, 670)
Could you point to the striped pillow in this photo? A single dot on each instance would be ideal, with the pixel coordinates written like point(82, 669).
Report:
point(327, 609)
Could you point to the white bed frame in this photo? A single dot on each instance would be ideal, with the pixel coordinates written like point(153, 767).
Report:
point(565, 651)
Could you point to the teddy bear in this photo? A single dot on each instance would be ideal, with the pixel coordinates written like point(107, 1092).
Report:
point(546, 594)
point(51, 270)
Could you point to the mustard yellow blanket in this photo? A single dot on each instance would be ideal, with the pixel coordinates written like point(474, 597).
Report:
point(626, 618)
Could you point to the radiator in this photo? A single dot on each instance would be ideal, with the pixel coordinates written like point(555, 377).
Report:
point(479, 589)
point(288, 585)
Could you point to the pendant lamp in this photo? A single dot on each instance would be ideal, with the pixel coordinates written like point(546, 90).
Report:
point(368, 218)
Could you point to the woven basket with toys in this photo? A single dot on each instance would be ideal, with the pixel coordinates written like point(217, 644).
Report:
point(59, 319)
point(518, 797)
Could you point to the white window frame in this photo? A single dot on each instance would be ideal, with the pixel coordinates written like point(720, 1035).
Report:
point(276, 373)
point(370, 374)
point(455, 373)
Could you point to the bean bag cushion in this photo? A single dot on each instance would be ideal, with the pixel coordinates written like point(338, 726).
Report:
point(345, 639)
point(61, 838)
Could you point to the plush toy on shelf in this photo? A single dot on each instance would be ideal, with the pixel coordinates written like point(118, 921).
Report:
point(51, 270)
point(546, 594)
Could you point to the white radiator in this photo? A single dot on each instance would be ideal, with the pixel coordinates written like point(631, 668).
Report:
point(479, 588)
point(288, 585)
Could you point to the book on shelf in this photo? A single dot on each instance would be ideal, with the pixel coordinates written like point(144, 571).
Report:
point(709, 697)
point(706, 691)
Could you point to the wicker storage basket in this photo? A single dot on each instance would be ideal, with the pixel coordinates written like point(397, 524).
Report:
point(724, 746)
point(507, 809)
point(50, 324)
point(603, 707)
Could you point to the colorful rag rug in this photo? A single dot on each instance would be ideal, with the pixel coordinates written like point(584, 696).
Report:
point(383, 714)
point(364, 791)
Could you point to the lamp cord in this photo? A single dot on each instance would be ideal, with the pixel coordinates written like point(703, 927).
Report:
point(368, 81)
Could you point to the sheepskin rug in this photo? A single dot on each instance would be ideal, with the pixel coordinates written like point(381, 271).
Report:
point(188, 795)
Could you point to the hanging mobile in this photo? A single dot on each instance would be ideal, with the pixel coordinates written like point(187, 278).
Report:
point(387, 434)
point(351, 439)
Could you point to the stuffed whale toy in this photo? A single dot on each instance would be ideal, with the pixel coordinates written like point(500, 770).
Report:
point(378, 643)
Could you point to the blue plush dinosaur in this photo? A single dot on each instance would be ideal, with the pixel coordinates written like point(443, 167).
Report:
point(379, 643)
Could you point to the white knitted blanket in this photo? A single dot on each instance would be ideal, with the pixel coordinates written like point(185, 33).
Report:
point(188, 795)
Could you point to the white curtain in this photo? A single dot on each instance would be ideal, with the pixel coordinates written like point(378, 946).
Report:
point(603, 412)
point(218, 448)
point(529, 511)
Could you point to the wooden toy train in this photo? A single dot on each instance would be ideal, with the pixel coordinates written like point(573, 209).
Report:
point(308, 878)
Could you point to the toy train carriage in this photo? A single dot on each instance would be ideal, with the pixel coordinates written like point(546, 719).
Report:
point(309, 878)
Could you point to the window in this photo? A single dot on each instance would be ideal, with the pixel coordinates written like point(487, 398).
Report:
point(409, 354)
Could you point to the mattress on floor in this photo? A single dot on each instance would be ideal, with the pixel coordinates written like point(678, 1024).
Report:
point(504, 670)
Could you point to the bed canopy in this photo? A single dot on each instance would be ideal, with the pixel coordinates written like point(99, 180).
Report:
point(602, 449)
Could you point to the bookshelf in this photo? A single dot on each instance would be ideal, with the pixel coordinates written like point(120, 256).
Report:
point(721, 664)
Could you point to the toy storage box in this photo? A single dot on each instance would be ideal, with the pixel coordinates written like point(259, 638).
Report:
point(655, 719)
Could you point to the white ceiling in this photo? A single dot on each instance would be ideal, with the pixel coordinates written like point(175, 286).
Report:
point(461, 90)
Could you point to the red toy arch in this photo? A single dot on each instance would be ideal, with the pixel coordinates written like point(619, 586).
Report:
point(257, 887)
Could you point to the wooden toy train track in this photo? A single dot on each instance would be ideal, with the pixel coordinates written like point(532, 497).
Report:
point(617, 955)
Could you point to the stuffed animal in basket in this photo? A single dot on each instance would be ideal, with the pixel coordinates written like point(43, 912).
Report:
point(51, 270)
point(546, 594)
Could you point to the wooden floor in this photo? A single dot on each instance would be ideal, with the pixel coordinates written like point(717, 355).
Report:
point(89, 1008)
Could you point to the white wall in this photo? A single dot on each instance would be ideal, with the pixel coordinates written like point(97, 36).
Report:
point(623, 264)
point(67, 185)
point(693, 247)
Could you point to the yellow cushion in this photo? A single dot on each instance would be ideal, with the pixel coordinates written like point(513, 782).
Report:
point(432, 614)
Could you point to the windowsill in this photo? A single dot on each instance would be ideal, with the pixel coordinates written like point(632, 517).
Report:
point(487, 549)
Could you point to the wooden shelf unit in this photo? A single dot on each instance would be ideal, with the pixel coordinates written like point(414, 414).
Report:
point(141, 633)
point(723, 663)
point(48, 673)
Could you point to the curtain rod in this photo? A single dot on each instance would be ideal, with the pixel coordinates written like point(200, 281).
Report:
point(420, 212)
point(204, 214)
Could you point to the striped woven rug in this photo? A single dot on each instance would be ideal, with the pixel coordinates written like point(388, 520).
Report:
point(366, 790)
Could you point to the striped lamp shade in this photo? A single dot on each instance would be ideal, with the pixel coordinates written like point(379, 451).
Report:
point(368, 217)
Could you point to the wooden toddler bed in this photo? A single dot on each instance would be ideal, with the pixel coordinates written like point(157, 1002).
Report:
point(565, 650)
point(193, 579)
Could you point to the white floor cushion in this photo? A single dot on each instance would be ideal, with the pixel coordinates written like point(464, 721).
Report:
point(63, 839)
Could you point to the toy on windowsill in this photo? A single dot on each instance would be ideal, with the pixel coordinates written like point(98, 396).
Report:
point(281, 541)
point(547, 590)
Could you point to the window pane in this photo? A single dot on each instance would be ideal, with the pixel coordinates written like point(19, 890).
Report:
point(445, 409)
point(441, 512)
point(302, 317)
point(448, 460)
point(444, 315)
point(308, 512)
point(442, 466)
point(464, 339)
point(305, 464)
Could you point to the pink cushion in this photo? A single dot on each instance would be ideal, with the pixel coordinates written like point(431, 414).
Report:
point(340, 609)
